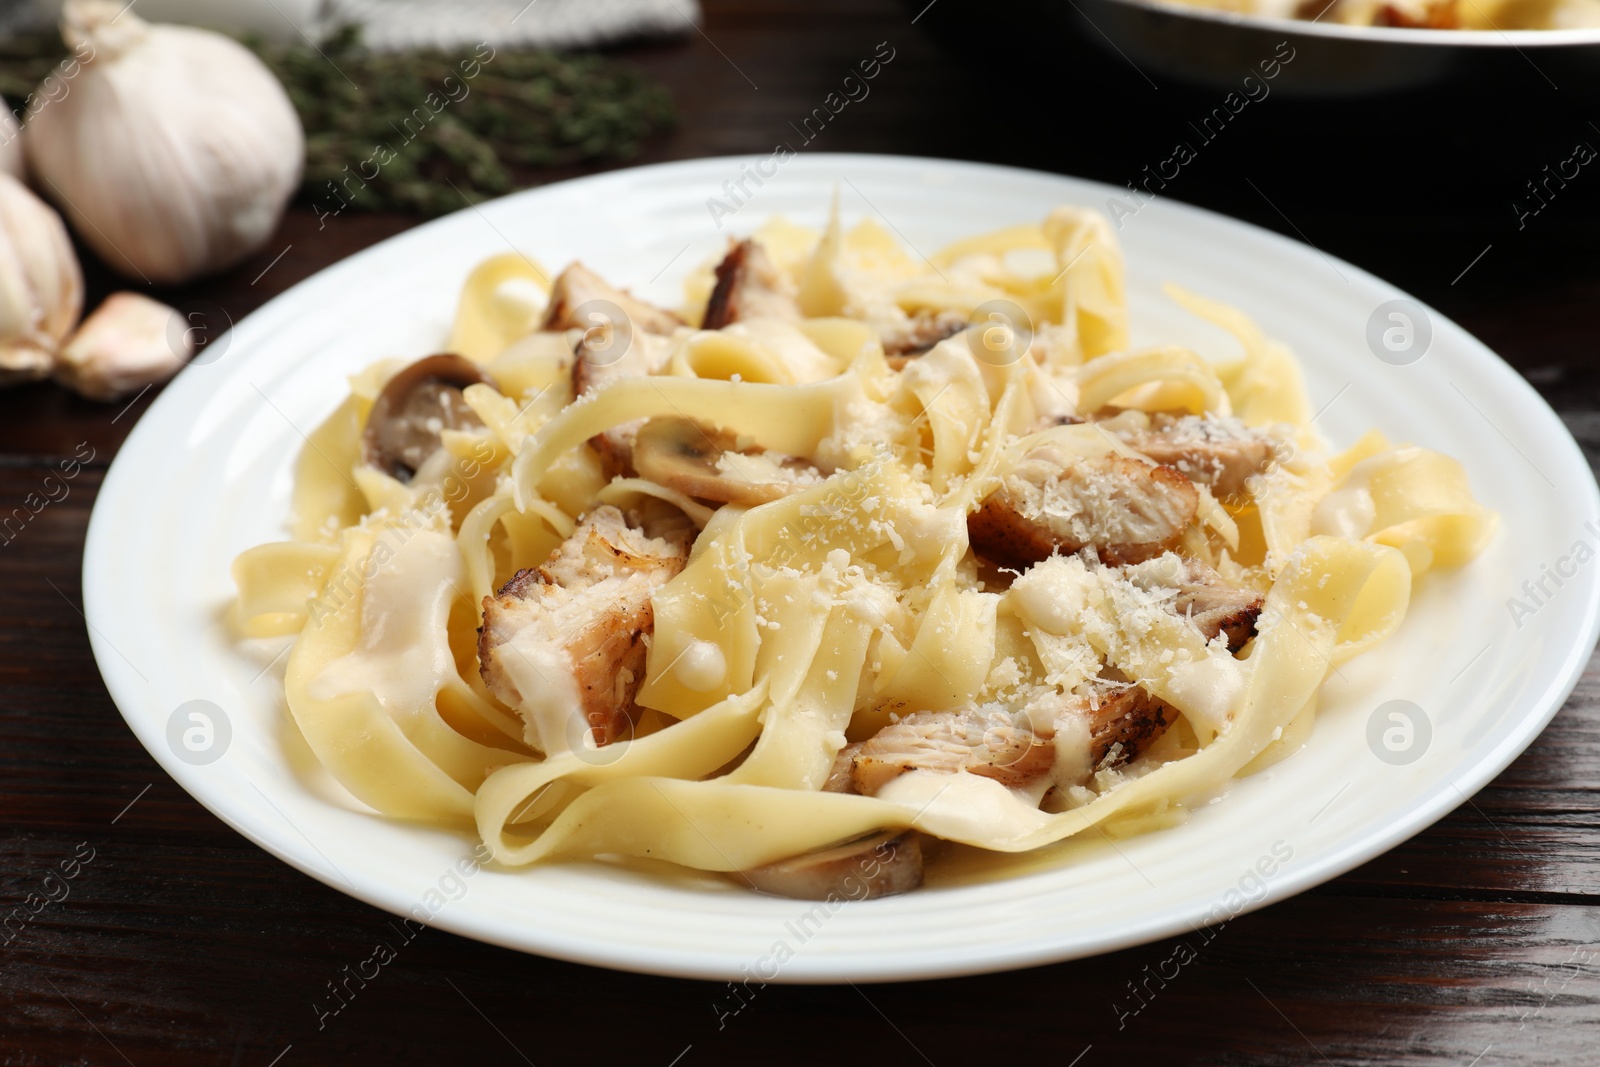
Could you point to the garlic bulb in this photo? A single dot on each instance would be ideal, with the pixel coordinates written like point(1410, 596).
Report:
point(41, 287)
point(10, 144)
point(128, 343)
point(176, 150)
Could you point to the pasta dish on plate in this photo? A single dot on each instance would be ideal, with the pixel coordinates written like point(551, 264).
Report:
point(856, 554)
point(1494, 15)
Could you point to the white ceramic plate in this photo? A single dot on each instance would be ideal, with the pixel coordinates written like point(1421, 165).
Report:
point(206, 473)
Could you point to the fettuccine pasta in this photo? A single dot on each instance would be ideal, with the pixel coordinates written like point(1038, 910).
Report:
point(856, 552)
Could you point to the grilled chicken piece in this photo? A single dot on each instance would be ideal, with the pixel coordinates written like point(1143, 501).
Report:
point(1203, 597)
point(610, 348)
point(1125, 724)
point(1221, 453)
point(904, 340)
point(1126, 509)
point(878, 865)
point(578, 285)
point(564, 643)
point(999, 744)
point(841, 777)
point(749, 286)
point(993, 745)
point(596, 365)
point(1436, 15)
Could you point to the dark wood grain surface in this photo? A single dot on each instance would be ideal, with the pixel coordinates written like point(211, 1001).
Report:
point(1477, 943)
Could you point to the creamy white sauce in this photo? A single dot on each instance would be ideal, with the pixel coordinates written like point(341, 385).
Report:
point(1054, 594)
point(1030, 262)
point(520, 298)
point(403, 654)
point(929, 530)
point(552, 707)
point(1073, 761)
point(701, 666)
point(1348, 511)
point(1207, 689)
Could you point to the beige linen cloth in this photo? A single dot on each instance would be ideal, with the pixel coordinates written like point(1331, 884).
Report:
point(394, 25)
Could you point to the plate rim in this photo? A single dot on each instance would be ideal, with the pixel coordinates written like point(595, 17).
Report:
point(1541, 708)
point(1386, 35)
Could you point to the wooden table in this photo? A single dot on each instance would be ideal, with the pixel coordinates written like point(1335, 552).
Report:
point(1476, 943)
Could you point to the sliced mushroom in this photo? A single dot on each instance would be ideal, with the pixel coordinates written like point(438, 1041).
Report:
point(708, 464)
point(749, 286)
point(878, 865)
point(417, 404)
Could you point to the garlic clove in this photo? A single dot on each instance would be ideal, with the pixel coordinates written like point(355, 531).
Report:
point(128, 343)
point(41, 287)
point(23, 363)
point(176, 150)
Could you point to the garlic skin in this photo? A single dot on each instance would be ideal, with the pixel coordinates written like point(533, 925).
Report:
point(176, 150)
point(127, 343)
point(41, 285)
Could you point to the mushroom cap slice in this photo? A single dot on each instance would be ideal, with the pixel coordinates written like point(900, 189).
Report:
point(416, 405)
point(682, 454)
point(878, 865)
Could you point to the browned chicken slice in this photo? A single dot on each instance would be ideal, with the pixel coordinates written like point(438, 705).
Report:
point(1126, 509)
point(1220, 453)
point(564, 644)
point(623, 337)
point(578, 285)
point(1437, 15)
point(999, 744)
point(1203, 597)
point(749, 286)
point(1124, 724)
point(708, 464)
point(903, 341)
point(597, 365)
point(993, 745)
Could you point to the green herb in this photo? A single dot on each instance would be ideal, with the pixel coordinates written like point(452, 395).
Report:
point(25, 60)
point(450, 135)
point(429, 131)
